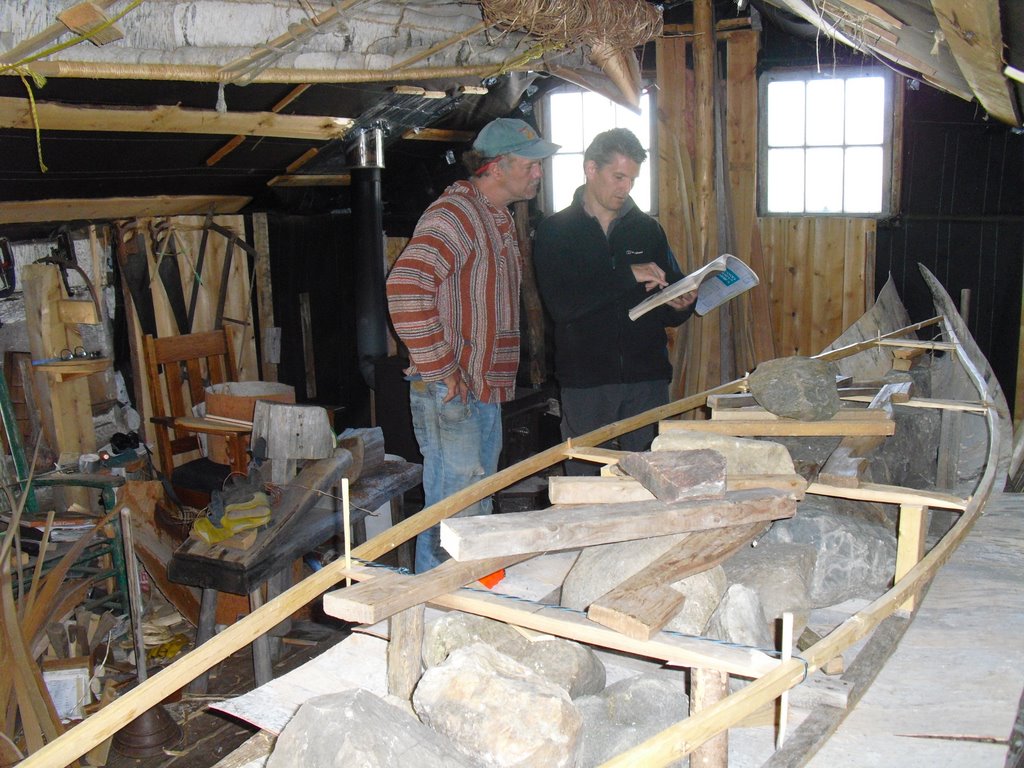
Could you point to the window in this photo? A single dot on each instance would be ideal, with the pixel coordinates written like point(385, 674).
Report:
point(574, 117)
point(826, 143)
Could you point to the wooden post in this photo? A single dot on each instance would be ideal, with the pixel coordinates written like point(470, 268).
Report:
point(707, 688)
point(949, 449)
point(270, 334)
point(405, 644)
point(910, 544)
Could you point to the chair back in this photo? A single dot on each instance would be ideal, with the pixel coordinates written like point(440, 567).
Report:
point(178, 370)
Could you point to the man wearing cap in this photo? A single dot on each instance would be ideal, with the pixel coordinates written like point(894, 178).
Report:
point(453, 296)
point(594, 260)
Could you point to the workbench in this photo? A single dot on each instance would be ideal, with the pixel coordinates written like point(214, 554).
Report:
point(306, 514)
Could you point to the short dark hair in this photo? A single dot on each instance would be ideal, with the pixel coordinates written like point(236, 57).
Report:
point(617, 141)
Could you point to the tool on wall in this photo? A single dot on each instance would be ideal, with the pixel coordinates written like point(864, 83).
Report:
point(170, 274)
point(63, 256)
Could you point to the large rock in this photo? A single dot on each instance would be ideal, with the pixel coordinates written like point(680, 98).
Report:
point(855, 557)
point(703, 593)
point(778, 572)
point(499, 711)
point(677, 475)
point(739, 619)
point(357, 728)
point(629, 712)
point(572, 666)
point(743, 455)
point(796, 388)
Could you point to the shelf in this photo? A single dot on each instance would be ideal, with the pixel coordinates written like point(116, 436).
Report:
point(66, 370)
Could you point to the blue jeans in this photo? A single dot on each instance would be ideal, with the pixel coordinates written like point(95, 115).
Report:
point(460, 443)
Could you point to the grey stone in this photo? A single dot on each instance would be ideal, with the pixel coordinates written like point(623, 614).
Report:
point(455, 630)
point(743, 455)
point(357, 728)
point(703, 593)
point(855, 557)
point(629, 712)
point(779, 572)
point(739, 619)
point(675, 475)
point(796, 388)
point(499, 711)
point(572, 666)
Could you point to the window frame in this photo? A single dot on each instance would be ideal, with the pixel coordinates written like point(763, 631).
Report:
point(546, 201)
point(889, 116)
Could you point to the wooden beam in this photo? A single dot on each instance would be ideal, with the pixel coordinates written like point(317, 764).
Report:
point(111, 208)
point(51, 116)
point(437, 134)
point(674, 649)
point(474, 538)
point(311, 180)
point(910, 544)
point(782, 427)
point(644, 603)
point(384, 596)
point(974, 35)
point(577, 489)
point(236, 141)
point(890, 494)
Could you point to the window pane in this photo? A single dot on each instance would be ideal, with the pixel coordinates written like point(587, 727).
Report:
point(824, 180)
point(865, 110)
point(640, 124)
point(785, 180)
point(566, 175)
point(599, 115)
point(863, 188)
point(567, 120)
point(641, 193)
point(824, 112)
point(786, 113)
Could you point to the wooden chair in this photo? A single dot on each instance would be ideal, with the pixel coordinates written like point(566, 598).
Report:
point(179, 368)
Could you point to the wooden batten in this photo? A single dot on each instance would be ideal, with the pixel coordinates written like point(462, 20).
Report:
point(112, 208)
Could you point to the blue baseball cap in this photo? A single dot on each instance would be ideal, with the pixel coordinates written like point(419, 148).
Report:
point(509, 136)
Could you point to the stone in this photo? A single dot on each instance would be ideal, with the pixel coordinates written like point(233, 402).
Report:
point(703, 593)
point(739, 619)
point(677, 475)
point(854, 557)
point(499, 711)
point(796, 388)
point(779, 572)
point(571, 666)
point(628, 713)
point(355, 727)
point(743, 455)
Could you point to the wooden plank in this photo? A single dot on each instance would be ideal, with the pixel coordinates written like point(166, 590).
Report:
point(16, 112)
point(928, 402)
point(640, 606)
point(604, 490)
point(72, 209)
point(474, 538)
point(782, 427)
point(377, 599)
point(973, 32)
point(264, 297)
point(405, 647)
point(673, 649)
point(910, 544)
point(890, 494)
point(757, 413)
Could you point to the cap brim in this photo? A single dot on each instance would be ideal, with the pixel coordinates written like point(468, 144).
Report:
point(538, 150)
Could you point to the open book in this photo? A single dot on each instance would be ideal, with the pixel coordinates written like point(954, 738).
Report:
point(716, 282)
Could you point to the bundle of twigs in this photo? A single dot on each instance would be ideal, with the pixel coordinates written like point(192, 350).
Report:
point(28, 718)
point(620, 24)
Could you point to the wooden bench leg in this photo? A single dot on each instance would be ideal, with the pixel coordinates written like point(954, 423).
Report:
point(204, 632)
point(405, 549)
point(405, 646)
point(261, 661)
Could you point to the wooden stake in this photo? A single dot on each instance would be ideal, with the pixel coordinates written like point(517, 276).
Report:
point(405, 645)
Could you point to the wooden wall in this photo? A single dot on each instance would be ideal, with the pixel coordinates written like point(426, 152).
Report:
point(816, 274)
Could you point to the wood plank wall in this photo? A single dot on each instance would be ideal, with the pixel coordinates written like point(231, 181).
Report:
point(817, 274)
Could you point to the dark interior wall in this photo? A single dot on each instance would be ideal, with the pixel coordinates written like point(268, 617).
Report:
point(314, 255)
point(962, 217)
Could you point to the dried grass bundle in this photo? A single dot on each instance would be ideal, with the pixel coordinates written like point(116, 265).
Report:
point(619, 24)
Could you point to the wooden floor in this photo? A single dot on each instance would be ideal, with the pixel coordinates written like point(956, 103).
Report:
point(950, 693)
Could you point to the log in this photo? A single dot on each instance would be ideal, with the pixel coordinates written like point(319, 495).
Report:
point(555, 528)
point(644, 603)
point(366, 445)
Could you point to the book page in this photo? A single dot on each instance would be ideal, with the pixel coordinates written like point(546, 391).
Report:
point(726, 284)
point(678, 288)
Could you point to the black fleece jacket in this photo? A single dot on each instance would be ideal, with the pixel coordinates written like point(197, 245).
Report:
point(588, 288)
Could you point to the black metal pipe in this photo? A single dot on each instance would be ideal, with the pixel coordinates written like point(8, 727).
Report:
point(371, 303)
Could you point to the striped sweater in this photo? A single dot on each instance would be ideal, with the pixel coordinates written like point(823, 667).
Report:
point(453, 294)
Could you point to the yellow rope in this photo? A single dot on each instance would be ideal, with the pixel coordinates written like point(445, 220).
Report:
point(39, 81)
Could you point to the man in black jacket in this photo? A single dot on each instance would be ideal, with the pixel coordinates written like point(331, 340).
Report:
point(594, 261)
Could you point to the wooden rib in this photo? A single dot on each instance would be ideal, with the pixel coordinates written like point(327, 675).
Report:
point(929, 402)
point(890, 494)
point(18, 113)
point(644, 603)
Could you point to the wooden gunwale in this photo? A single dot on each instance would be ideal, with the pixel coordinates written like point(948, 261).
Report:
point(678, 740)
